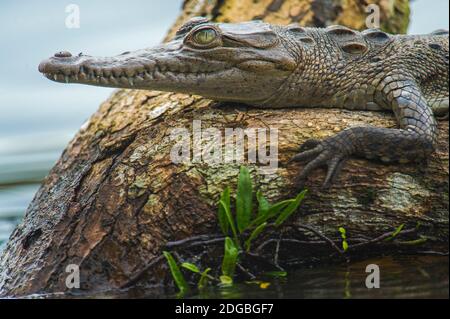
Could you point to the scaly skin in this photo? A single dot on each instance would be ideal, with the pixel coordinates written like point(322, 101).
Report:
point(275, 66)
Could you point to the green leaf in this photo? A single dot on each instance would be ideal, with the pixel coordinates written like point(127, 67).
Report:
point(191, 267)
point(223, 219)
point(204, 278)
point(396, 232)
point(230, 220)
point(263, 205)
point(226, 280)
point(343, 232)
point(229, 258)
point(244, 200)
point(344, 245)
point(256, 232)
point(344, 238)
point(276, 274)
point(290, 209)
point(418, 241)
point(272, 212)
point(176, 273)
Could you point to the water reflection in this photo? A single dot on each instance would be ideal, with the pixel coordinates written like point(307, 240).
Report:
point(401, 277)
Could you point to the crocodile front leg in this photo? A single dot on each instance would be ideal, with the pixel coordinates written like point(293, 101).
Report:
point(415, 139)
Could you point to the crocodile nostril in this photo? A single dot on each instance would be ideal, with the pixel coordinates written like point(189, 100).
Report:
point(63, 54)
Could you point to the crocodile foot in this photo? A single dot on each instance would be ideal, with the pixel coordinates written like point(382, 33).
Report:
point(318, 153)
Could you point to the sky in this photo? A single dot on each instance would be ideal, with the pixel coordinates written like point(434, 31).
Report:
point(31, 31)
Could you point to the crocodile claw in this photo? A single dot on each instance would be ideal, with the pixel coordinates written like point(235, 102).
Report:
point(317, 154)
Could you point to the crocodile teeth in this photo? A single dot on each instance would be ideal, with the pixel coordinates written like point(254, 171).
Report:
point(117, 73)
point(148, 76)
point(55, 77)
point(124, 80)
point(171, 76)
point(130, 80)
point(66, 78)
point(113, 80)
point(158, 75)
point(104, 80)
point(129, 72)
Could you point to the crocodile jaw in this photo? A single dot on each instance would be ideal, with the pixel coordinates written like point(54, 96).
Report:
point(247, 63)
point(148, 69)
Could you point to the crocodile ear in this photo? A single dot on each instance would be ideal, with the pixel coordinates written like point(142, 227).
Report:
point(263, 39)
point(248, 34)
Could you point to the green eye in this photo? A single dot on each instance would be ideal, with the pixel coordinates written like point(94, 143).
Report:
point(205, 36)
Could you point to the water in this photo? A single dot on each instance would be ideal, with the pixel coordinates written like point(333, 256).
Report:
point(39, 117)
point(400, 277)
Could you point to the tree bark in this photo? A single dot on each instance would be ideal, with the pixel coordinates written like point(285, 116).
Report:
point(115, 199)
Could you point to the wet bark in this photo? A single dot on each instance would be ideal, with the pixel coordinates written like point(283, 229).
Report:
point(115, 199)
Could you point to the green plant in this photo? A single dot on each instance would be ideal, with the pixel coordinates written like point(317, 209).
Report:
point(229, 261)
point(396, 232)
point(344, 238)
point(240, 229)
point(176, 273)
point(245, 220)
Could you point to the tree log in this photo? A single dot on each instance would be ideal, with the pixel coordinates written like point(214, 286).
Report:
point(115, 199)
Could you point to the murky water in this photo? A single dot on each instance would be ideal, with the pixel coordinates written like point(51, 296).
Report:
point(400, 277)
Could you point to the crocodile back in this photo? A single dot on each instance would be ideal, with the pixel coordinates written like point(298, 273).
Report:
point(341, 67)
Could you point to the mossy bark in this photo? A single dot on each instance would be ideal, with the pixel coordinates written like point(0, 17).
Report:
point(115, 199)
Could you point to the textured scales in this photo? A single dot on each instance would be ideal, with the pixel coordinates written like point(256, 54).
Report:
point(290, 66)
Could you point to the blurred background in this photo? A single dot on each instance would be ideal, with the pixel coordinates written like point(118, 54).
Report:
point(39, 117)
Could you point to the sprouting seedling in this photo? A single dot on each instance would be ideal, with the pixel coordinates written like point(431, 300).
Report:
point(244, 223)
point(396, 232)
point(244, 200)
point(176, 273)
point(204, 275)
point(229, 261)
point(344, 238)
point(245, 219)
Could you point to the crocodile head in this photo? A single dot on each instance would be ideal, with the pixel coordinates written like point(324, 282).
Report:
point(243, 62)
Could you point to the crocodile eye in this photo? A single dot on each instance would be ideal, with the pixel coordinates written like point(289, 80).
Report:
point(205, 36)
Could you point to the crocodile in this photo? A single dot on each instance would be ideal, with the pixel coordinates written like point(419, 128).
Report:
point(273, 66)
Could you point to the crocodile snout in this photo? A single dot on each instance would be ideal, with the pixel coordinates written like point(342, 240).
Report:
point(46, 66)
